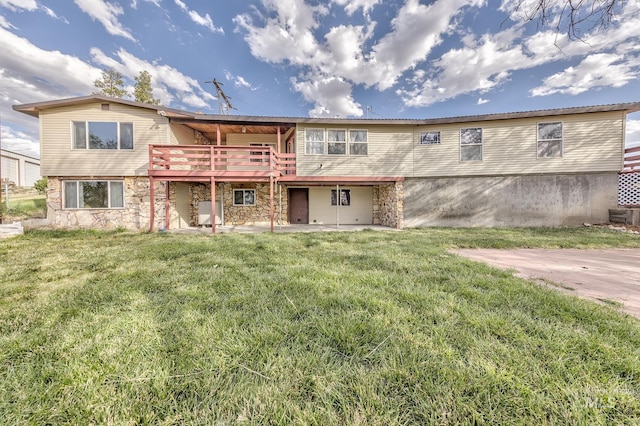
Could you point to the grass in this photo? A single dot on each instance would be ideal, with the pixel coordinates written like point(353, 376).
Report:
point(322, 328)
point(24, 205)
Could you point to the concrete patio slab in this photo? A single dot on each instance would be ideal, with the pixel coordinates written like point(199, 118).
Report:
point(254, 229)
point(609, 275)
point(11, 230)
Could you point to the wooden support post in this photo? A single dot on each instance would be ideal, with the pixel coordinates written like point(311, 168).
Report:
point(152, 205)
point(167, 206)
point(213, 205)
point(279, 142)
point(271, 209)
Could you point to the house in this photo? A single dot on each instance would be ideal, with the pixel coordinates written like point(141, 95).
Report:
point(20, 169)
point(110, 160)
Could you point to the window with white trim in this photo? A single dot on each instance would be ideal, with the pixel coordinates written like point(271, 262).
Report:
point(550, 140)
point(314, 141)
point(345, 197)
point(244, 197)
point(429, 138)
point(102, 135)
point(471, 144)
point(93, 194)
point(358, 142)
point(336, 142)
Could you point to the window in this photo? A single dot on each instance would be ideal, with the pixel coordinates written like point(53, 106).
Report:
point(471, 144)
point(93, 194)
point(358, 142)
point(314, 141)
point(549, 140)
point(102, 135)
point(244, 197)
point(429, 138)
point(345, 197)
point(336, 142)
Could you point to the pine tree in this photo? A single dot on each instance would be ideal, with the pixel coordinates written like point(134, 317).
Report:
point(110, 84)
point(142, 89)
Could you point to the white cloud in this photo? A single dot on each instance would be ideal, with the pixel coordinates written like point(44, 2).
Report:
point(331, 97)
point(484, 64)
point(595, 71)
point(353, 5)
point(205, 20)
point(482, 101)
point(19, 4)
point(4, 23)
point(239, 81)
point(53, 14)
point(134, 3)
point(288, 35)
point(168, 83)
point(21, 142)
point(632, 133)
point(480, 66)
point(107, 14)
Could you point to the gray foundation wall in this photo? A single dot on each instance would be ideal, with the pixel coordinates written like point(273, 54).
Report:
point(510, 201)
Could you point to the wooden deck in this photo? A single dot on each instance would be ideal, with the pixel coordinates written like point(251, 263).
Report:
point(224, 163)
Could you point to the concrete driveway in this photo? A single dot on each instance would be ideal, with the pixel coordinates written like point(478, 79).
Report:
point(607, 275)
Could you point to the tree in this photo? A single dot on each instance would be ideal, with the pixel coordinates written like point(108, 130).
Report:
point(575, 17)
point(110, 84)
point(142, 89)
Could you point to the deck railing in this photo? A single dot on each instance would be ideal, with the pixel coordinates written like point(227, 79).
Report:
point(632, 159)
point(219, 161)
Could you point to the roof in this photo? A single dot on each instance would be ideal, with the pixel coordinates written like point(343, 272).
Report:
point(20, 154)
point(175, 115)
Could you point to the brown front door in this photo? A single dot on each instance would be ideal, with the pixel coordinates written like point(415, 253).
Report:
point(298, 205)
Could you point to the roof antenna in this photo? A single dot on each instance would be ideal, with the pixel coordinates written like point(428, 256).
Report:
point(370, 110)
point(224, 104)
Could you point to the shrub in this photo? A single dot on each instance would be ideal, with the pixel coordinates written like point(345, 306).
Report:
point(41, 185)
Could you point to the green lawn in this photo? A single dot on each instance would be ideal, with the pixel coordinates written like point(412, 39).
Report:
point(369, 328)
point(24, 206)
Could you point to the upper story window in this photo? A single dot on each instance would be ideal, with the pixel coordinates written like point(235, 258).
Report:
point(358, 142)
point(102, 135)
point(314, 141)
point(549, 139)
point(429, 138)
point(93, 194)
point(471, 144)
point(336, 142)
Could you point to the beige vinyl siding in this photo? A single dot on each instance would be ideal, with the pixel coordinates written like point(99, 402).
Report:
point(180, 134)
point(389, 154)
point(241, 139)
point(591, 143)
point(323, 213)
point(59, 159)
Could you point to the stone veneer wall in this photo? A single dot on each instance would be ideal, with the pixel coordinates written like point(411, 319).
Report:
point(241, 215)
point(201, 139)
point(134, 216)
point(388, 205)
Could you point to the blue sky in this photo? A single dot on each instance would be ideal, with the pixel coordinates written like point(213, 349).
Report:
point(375, 58)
